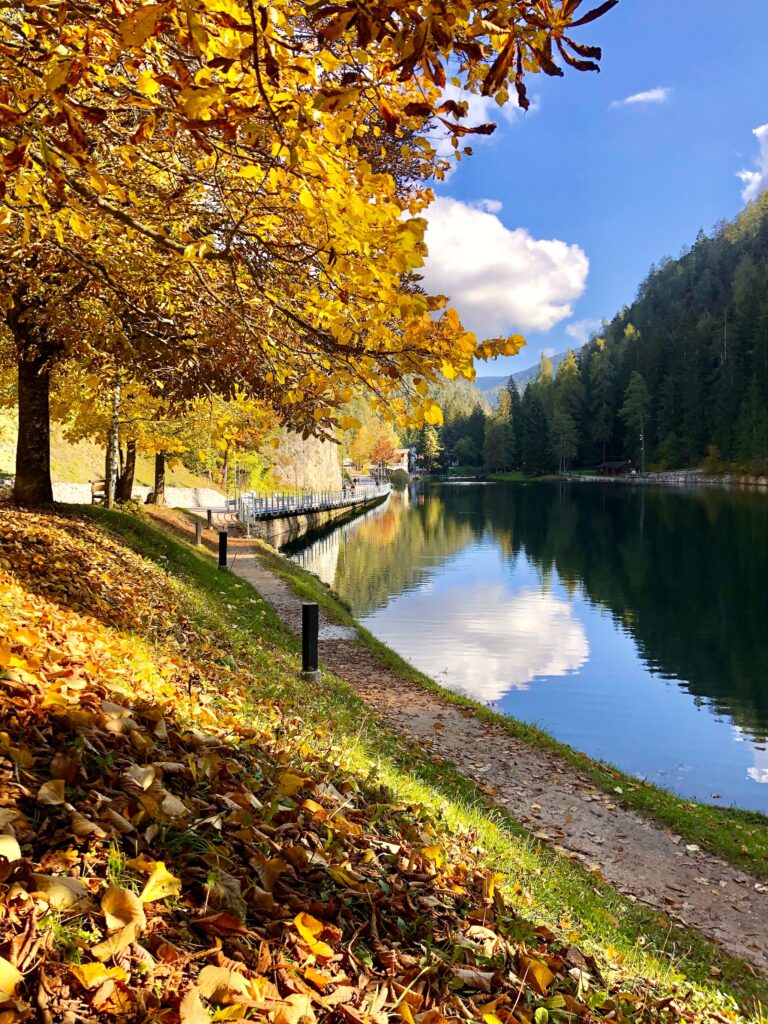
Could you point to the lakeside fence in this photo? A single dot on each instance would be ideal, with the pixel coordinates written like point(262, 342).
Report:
point(253, 508)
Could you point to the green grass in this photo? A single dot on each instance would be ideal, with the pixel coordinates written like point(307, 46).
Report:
point(541, 883)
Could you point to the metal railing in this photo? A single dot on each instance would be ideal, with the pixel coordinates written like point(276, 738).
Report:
point(252, 508)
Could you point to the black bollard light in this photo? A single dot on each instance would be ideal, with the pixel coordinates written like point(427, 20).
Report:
point(198, 533)
point(223, 551)
point(310, 629)
point(210, 518)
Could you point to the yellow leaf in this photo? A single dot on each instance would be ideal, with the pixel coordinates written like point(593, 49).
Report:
point(139, 26)
point(122, 907)
point(404, 1012)
point(9, 848)
point(147, 84)
point(536, 974)
point(433, 414)
point(115, 943)
point(94, 974)
point(59, 891)
point(51, 792)
point(309, 928)
point(306, 199)
point(161, 883)
point(5, 218)
point(10, 978)
point(289, 783)
point(221, 985)
point(80, 226)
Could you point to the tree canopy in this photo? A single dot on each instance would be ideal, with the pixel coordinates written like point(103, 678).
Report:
point(238, 190)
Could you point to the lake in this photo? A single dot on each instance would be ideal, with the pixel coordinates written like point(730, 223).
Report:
point(630, 623)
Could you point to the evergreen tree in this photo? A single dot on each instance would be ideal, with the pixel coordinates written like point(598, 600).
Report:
point(536, 454)
point(565, 439)
point(601, 406)
point(634, 412)
point(516, 426)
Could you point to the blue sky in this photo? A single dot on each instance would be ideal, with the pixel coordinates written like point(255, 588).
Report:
point(617, 185)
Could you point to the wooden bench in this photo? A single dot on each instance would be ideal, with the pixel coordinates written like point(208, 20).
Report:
point(98, 492)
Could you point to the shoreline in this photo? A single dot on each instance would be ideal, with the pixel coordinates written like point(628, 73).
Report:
point(722, 830)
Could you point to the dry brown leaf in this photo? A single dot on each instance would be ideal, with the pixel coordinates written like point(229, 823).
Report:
point(474, 978)
point(191, 1009)
point(51, 793)
point(122, 907)
point(59, 891)
point(220, 985)
point(295, 1008)
point(9, 848)
point(116, 943)
point(141, 775)
point(172, 807)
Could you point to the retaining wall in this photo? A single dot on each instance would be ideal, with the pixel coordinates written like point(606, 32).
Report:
point(283, 529)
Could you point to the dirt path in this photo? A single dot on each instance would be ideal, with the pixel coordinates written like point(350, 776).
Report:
point(558, 805)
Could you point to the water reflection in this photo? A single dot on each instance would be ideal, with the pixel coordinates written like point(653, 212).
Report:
point(629, 623)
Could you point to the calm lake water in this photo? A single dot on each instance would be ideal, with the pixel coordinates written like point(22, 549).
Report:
point(629, 623)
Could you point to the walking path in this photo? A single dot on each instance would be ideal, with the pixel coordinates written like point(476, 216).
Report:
point(557, 803)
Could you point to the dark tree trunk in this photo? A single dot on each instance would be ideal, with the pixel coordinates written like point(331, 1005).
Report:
point(125, 483)
point(160, 478)
point(33, 451)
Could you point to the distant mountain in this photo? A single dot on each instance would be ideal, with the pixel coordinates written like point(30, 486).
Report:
point(490, 386)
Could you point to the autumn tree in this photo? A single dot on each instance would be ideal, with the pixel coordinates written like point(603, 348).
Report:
point(242, 146)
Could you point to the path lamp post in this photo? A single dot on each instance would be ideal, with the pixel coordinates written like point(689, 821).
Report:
point(310, 633)
point(223, 567)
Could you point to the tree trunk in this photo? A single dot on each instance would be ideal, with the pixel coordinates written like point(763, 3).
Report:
point(125, 483)
point(225, 471)
point(113, 446)
point(33, 451)
point(160, 478)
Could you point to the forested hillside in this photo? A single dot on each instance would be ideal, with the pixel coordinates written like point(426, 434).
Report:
point(678, 378)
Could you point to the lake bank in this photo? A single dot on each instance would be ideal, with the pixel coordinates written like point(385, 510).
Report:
point(560, 803)
point(554, 886)
point(249, 694)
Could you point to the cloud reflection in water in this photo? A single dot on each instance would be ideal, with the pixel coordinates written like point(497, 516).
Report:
point(499, 641)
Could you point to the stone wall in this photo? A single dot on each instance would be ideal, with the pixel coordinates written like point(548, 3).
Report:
point(307, 465)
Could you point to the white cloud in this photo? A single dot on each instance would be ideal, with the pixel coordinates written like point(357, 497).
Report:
point(489, 205)
point(756, 181)
point(644, 98)
point(548, 352)
point(582, 330)
point(499, 279)
point(759, 773)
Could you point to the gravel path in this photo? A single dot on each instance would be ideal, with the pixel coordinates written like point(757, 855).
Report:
point(559, 805)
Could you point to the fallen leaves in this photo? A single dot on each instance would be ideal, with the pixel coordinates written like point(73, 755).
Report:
point(160, 884)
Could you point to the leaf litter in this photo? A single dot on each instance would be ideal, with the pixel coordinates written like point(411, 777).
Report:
point(165, 857)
